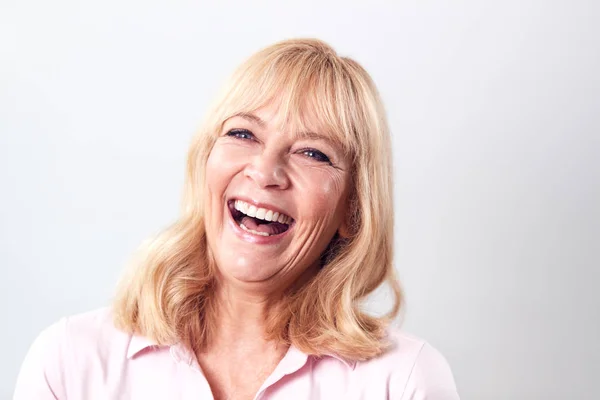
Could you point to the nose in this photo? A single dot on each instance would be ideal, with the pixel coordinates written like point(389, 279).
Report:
point(267, 170)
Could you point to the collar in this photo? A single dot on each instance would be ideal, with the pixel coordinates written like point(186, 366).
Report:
point(348, 363)
point(138, 344)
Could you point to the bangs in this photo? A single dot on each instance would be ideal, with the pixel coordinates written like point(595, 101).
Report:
point(313, 94)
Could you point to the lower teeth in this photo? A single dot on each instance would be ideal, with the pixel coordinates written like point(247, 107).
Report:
point(253, 231)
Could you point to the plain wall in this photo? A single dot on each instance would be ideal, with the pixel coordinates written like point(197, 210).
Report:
point(494, 110)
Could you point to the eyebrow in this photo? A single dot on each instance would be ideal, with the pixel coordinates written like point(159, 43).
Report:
point(309, 135)
point(251, 117)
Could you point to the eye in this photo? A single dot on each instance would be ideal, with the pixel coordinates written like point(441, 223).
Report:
point(243, 134)
point(316, 155)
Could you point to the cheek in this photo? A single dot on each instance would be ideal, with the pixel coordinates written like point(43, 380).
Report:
point(328, 192)
point(333, 187)
point(220, 168)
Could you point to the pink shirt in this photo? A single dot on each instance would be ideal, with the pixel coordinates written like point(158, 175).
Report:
point(86, 357)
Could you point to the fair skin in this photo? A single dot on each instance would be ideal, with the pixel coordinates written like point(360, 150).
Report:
point(301, 175)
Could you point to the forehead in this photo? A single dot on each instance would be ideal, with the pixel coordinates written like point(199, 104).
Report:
point(302, 98)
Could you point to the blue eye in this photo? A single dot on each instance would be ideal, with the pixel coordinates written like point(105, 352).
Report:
point(316, 155)
point(240, 134)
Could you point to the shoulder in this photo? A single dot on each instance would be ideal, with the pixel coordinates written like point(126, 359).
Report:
point(94, 329)
point(415, 369)
point(71, 344)
point(90, 332)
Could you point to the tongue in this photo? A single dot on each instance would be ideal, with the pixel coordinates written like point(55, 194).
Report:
point(272, 228)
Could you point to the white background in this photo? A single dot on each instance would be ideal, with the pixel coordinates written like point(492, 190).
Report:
point(493, 107)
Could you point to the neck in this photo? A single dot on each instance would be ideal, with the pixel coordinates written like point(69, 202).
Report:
point(243, 315)
point(238, 358)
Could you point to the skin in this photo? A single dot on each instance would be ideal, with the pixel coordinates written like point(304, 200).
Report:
point(255, 161)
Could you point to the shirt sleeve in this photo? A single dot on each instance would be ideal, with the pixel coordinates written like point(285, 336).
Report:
point(430, 378)
point(42, 373)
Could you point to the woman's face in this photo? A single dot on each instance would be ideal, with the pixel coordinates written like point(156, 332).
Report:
point(275, 199)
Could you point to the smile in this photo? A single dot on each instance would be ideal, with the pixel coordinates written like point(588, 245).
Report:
point(258, 220)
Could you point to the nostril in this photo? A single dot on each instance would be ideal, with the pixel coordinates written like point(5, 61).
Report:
point(267, 174)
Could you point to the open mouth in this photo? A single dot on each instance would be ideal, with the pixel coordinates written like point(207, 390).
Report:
point(257, 220)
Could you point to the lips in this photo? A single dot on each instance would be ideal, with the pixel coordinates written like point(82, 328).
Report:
point(259, 220)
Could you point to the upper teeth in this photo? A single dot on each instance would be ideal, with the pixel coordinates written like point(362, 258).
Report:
point(261, 213)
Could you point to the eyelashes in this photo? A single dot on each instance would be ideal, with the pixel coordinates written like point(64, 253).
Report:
point(240, 134)
point(314, 154)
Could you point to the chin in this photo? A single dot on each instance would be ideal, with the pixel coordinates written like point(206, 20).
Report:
point(245, 270)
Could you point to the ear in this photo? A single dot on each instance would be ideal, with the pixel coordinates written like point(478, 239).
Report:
point(348, 225)
point(344, 229)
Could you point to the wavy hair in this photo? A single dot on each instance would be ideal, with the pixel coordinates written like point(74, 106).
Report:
point(167, 293)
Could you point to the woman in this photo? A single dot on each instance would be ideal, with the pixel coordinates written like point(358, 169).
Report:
point(254, 292)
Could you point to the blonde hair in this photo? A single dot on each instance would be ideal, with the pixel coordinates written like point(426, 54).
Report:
point(167, 294)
